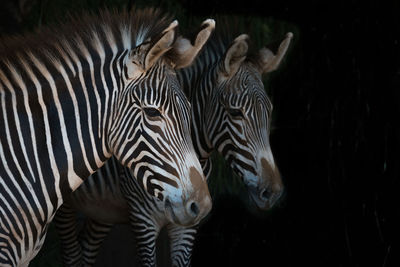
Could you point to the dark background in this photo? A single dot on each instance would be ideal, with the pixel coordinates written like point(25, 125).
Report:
point(336, 137)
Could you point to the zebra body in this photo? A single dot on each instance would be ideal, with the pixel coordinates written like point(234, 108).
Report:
point(71, 98)
point(225, 79)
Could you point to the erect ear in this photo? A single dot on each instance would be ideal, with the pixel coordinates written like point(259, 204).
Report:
point(268, 61)
point(235, 54)
point(145, 55)
point(160, 47)
point(183, 52)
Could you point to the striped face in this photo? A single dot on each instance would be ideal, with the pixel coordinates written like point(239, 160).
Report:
point(152, 138)
point(240, 131)
point(151, 125)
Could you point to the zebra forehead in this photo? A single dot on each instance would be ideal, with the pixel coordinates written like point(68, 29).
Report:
point(246, 78)
point(160, 80)
point(250, 96)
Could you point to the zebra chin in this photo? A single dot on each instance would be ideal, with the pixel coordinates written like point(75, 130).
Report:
point(187, 216)
point(268, 193)
point(265, 198)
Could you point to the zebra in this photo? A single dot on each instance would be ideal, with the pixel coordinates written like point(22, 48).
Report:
point(231, 113)
point(74, 95)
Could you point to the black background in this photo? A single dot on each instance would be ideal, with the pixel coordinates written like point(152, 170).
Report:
point(336, 141)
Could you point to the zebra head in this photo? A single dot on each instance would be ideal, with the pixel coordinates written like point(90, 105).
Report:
point(151, 128)
point(241, 119)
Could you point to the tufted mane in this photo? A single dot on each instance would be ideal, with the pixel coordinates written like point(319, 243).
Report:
point(110, 29)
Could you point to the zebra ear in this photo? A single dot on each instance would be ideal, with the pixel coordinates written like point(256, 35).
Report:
point(268, 61)
point(235, 54)
point(160, 47)
point(183, 52)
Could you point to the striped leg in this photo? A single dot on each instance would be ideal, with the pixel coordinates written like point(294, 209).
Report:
point(146, 235)
point(142, 219)
point(66, 223)
point(91, 239)
point(182, 241)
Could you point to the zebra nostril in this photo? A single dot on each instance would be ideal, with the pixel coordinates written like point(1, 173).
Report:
point(193, 208)
point(265, 194)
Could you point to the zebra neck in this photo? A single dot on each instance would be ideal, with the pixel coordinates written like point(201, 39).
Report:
point(95, 89)
point(198, 81)
point(200, 100)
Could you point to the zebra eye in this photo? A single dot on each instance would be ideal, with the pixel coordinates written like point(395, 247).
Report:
point(152, 112)
point(235, 112)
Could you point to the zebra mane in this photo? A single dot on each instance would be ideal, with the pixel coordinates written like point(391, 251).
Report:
point(110, 30)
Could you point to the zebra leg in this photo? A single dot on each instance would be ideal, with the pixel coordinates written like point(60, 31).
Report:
point(146, 233)
point(66, 224)
point(182, 241)
point(91, 239)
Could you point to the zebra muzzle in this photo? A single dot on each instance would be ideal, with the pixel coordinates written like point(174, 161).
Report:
point(189, 210)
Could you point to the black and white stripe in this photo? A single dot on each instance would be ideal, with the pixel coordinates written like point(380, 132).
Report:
point(71, 98)
point(231, 114)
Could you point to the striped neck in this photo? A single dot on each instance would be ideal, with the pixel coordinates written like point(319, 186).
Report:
point(67, 81)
